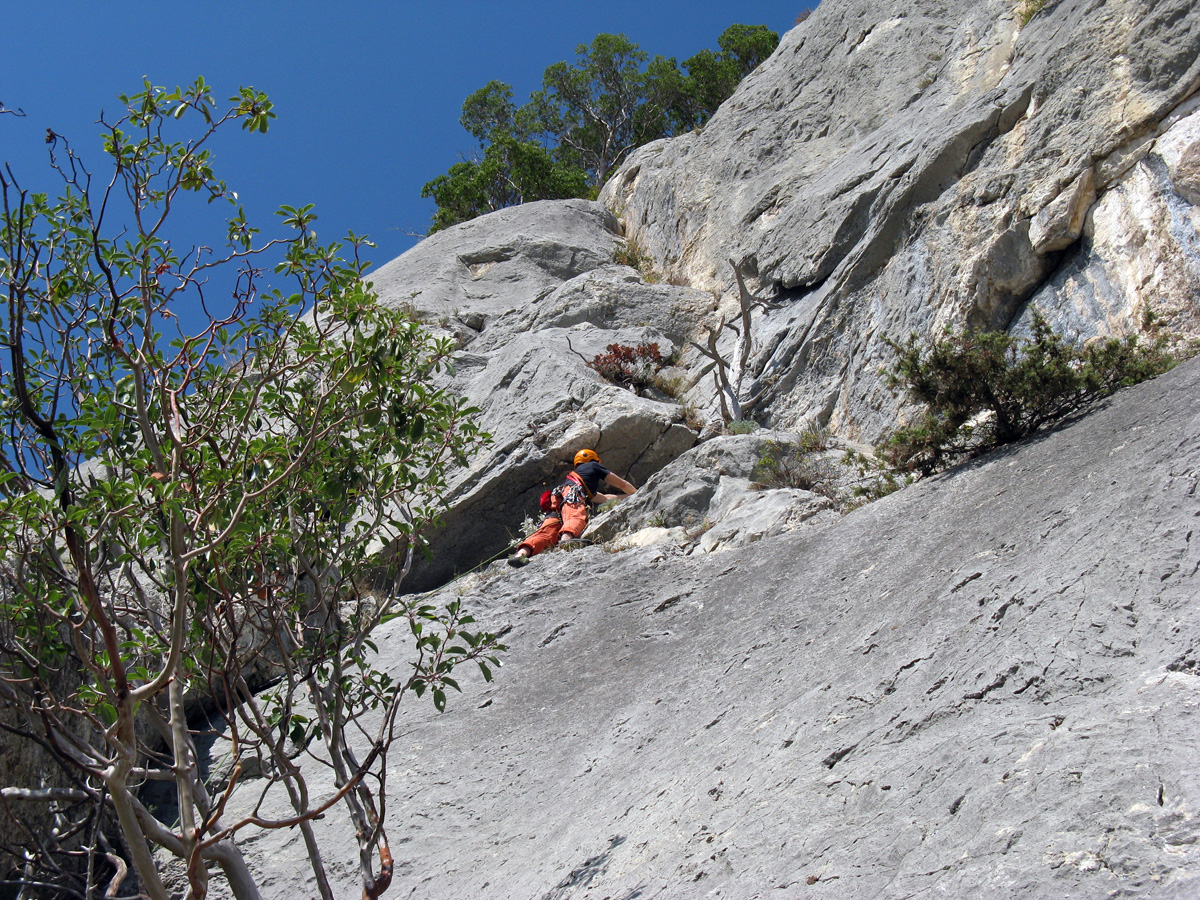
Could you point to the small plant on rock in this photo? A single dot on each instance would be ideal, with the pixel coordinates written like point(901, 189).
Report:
point(1027, 9)
point(631, 367)
point(675, 387)
point(814, 439)
point(692, 417)
point(984, 390)
point(875, 478)
point(790, 466)
point(632, 254)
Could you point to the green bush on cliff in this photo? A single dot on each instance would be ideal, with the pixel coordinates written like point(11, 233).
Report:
point(783, 465)
point(986, 389)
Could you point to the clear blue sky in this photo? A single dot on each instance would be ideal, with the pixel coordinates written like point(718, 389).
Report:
point(367, 93)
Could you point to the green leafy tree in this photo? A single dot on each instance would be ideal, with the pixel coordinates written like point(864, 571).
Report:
point(511, 171)
point(514, 168)
point(712, 77)
point(586, 119)
point(617, 98)
point(490, 111)
point(605, 105)
point(186, 513)
point(987, 389)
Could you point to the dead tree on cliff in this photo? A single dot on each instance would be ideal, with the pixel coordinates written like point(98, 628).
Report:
point(728, 377)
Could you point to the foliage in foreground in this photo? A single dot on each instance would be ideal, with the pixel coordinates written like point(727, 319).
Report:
point(186, 511)
point(573, 133)
point(987, 389)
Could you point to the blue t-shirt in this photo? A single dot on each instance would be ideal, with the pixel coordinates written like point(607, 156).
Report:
point(593, 475)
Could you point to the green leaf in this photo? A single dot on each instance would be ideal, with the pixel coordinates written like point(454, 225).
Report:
point(107, 713)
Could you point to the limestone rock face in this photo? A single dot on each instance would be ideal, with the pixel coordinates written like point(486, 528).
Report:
point(984, 685)
point(1141, 247)
point(500, 262)
point(530, 294)
point(906, 168)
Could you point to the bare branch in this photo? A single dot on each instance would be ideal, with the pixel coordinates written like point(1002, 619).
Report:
point(587, 362)
point(46, 795)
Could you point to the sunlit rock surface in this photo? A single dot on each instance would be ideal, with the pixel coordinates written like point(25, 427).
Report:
point(899, 168)
point(985, 685)
point(531, 294)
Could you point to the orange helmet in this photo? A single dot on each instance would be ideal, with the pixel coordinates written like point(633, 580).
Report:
point(586, 456)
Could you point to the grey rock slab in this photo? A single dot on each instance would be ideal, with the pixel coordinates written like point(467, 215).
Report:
point(984, 685)
point(616, 296)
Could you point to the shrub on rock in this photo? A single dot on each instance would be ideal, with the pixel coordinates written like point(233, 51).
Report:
point(987, 389)
point(630, 367)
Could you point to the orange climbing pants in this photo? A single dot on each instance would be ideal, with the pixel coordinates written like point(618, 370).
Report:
point(572, 523)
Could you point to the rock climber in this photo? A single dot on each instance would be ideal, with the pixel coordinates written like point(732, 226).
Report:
point(566, 506)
